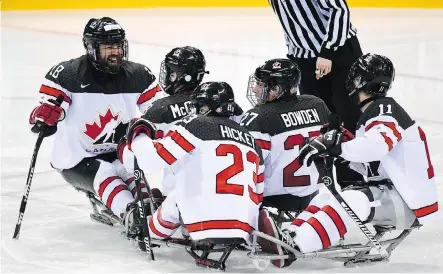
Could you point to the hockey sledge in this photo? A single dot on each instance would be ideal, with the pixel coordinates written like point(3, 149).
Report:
point(378, 248)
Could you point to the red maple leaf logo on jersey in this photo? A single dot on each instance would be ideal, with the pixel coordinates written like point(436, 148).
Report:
point(104, 127)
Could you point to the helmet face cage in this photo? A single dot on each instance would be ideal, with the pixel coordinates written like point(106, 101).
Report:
point(105, 31)
point(277, 79)
point(101, 62)
point(257, 92)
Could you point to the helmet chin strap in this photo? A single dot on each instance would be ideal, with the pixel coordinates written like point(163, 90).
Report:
point(367, 100)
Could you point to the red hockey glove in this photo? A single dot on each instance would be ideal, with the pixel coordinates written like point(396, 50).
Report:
point(47, 113)
point(140, 126)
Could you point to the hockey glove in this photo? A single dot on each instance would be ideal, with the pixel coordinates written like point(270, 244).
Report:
point(47, 113)
point(139, 126)
point(121, 147)
point(328, 144)
point(347, 135)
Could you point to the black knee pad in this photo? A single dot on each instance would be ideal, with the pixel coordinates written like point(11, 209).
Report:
point(82, 175)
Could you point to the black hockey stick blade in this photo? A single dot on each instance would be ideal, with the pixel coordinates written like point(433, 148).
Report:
point(138, 174)
point(24, 201)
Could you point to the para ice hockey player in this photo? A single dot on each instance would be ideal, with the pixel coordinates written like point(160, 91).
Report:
point(181, 72)
point(402, 193)
point(101, 91)
point(279, 121)
point(217, 164)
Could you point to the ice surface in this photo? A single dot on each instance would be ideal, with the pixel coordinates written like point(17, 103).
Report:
point(57, 235)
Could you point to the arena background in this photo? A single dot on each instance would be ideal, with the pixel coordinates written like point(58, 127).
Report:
point(92, 4)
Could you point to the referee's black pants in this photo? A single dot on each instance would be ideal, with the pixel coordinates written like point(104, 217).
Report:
point(332, 90)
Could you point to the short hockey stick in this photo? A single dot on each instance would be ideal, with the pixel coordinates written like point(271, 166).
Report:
point(138, 175)
point(38, 143)
point(324, 167)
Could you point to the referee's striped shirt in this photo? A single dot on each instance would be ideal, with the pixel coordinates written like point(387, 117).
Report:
point(314, 27)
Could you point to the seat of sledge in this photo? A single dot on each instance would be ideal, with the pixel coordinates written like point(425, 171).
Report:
point(286, 206)
point(200, 251)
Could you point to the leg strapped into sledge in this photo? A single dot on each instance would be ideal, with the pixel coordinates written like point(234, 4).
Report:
point(105, 216)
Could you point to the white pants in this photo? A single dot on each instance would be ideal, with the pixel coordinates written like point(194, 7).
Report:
point(324, 222)
point(207, 220)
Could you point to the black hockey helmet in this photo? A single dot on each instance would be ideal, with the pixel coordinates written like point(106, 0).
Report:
point(214, 98)
point(182, 70)
point(371, 73)
point(105, 31)
point(276, 79)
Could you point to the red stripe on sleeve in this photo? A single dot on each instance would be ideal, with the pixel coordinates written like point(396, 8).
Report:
point(164, 153)
point(146, 96)
point(55, 92)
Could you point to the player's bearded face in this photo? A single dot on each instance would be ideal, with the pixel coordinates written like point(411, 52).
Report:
point(112, 54)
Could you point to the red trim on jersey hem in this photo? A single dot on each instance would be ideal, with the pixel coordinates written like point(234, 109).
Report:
point(219, 224)
point(256, 198)
point(114, 193)
point(164, 153)
point(335, 217)
point(321, 231)
point(264, 144)
point(390, 125)
point(55, 92)
point(146, 96)
point(312, 209)
point(105, 183)
point(426, 210)
point(162, 222)
point(181, 141)
point(154, 230)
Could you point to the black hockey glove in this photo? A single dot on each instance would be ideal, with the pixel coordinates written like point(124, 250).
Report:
point(121, 147)
point(139, 126)
point(328, 144)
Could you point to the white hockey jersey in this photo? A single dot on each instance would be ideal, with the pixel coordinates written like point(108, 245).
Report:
point(280, 129)
point(97, 110)
point(387, 134)
point(218, 169)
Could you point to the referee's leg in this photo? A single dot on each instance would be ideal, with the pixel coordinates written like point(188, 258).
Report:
point(309, 83)
point(341, 64)
point(344, 107)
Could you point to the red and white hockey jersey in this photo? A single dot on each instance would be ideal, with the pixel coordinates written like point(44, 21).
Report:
point(97, 109)
point(387, 134)
point(218, 169)
point(280, 129)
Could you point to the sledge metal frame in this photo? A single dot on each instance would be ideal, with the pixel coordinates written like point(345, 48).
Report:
point(350, 254)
